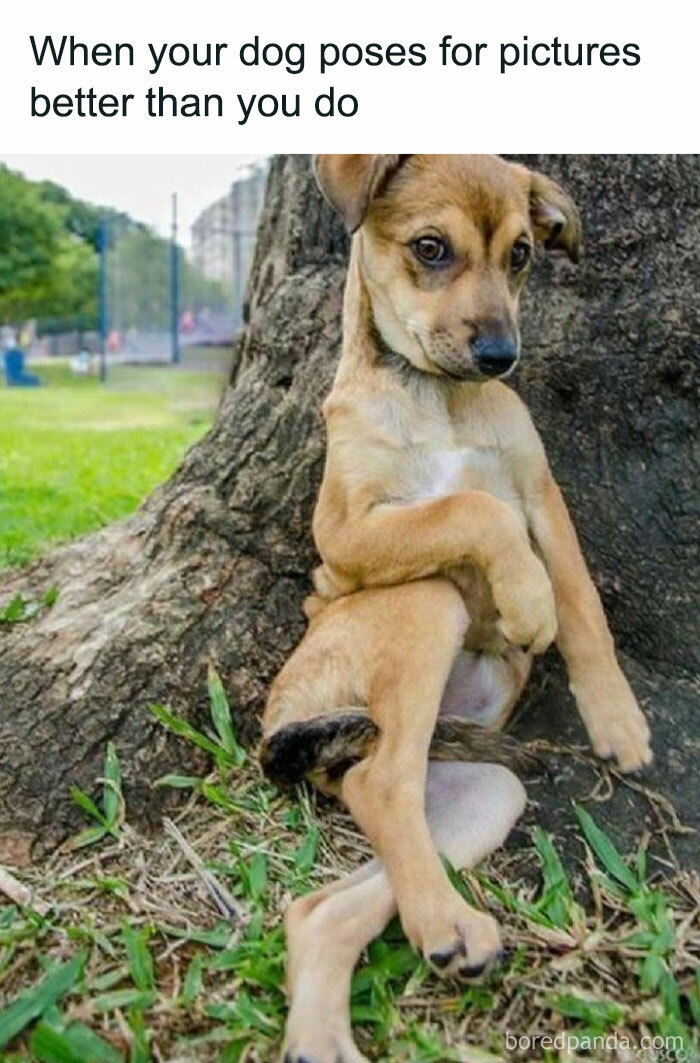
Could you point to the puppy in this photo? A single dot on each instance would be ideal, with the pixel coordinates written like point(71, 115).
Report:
point(448, 561)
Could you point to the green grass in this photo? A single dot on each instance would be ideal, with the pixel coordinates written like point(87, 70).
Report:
point(127, 949)
point(75, 455)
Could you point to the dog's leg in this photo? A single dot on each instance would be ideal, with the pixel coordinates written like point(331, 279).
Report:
point(470, 808)
point(384, 544)
point(406, 648)
point(603, 696)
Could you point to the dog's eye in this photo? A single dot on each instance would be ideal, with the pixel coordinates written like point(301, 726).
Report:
point(519, 256)
point(431, 250)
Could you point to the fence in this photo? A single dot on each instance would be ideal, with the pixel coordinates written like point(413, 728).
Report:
point(154, 301)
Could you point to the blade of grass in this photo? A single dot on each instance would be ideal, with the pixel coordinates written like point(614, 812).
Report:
point(185, 730)
point(111, 800)
point(557, 899)
point(192, 985)
point(32, 1005)
point(138, 957)
point(76, 1043)
point(605, 851)
point(139, 1052)
point(221, 716)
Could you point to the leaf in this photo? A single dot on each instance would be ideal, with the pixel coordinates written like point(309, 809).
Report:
point(185, 730)
point(192, 985)
point(597, 1013)
point(218, 938)
point(257, 875)
point(652, 970)
point(668, 989)
point(13, 611)
point(50, 1046)
point(305, 854)
point(605, 851)
point(557, 899)
point(89, 836)
point(108, 979)
point(32, 1005)
point(138, 957)
point(139, 1052)
point(75, 1043)
point(88, 805)
point(50, 596)
point(179, 782)
point(124, 998)
point(111, 800)
point(244, 1012)
point(693, 999)
point(19, 609)
point(221, 716)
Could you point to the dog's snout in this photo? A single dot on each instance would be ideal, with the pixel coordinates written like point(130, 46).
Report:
point(494, 355)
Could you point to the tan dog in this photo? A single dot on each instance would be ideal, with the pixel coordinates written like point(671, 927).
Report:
point(449, 559)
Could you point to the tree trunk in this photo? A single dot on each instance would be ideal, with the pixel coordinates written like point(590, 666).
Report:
point(215, 563)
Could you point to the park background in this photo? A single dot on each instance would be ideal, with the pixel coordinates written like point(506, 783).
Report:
point(126, 324)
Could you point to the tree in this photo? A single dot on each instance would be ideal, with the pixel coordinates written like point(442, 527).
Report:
point(29, 243)
point(214, 565)
point(48, 267)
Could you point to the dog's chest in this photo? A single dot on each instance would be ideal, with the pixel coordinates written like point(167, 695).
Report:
point(434, 469)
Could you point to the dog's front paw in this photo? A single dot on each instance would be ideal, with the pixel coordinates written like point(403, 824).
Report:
point(616, 725)
point(525, 600)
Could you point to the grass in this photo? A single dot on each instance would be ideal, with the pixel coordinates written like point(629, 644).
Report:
point(125, 949)
point(75, 455)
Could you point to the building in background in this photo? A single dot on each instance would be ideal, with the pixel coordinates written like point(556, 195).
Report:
point(223, 236)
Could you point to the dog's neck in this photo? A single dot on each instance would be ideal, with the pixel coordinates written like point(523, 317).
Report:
point(385, 357)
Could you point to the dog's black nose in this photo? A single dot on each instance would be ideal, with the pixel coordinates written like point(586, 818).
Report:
point(494, 355)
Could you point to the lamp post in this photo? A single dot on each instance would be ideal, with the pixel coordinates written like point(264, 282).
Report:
point(174, 289)
point(103, 237)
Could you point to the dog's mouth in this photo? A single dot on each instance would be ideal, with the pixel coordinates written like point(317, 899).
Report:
point(474, 370)
point(446, 365)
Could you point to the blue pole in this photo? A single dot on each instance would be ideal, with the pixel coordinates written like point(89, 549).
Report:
point(102, 298)
point(174, 289)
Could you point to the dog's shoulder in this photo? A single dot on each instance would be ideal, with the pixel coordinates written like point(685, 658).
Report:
point(508, 411)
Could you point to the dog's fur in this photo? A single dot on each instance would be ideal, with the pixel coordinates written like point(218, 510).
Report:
point(448, 560)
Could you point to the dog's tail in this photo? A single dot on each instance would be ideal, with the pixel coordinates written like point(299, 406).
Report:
point(330, 744)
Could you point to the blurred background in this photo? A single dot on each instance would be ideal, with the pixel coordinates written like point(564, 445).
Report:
point(122, 281)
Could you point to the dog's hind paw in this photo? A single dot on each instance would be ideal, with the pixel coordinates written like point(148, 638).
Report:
point(323, 1047)
point(457, 941)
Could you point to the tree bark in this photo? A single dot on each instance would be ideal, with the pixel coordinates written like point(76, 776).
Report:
point(215, 563)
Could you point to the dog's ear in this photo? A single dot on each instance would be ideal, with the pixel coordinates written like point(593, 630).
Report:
point(554, 216)
point(350, 182)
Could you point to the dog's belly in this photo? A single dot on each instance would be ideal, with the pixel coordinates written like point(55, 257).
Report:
point(485, 687)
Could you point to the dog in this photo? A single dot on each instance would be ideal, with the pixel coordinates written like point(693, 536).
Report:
point(448, 561)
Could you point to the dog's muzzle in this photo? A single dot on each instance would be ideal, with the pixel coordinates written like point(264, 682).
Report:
point(494, 356)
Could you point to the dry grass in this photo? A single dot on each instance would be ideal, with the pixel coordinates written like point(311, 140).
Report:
point(181, 951)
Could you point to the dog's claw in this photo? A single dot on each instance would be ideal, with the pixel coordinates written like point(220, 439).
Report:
point(443, 959)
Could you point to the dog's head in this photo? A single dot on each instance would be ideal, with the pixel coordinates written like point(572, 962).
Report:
point(445, 245)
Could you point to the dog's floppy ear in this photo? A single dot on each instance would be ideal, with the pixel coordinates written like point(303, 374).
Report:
point(350, 182)
point(554, 216)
